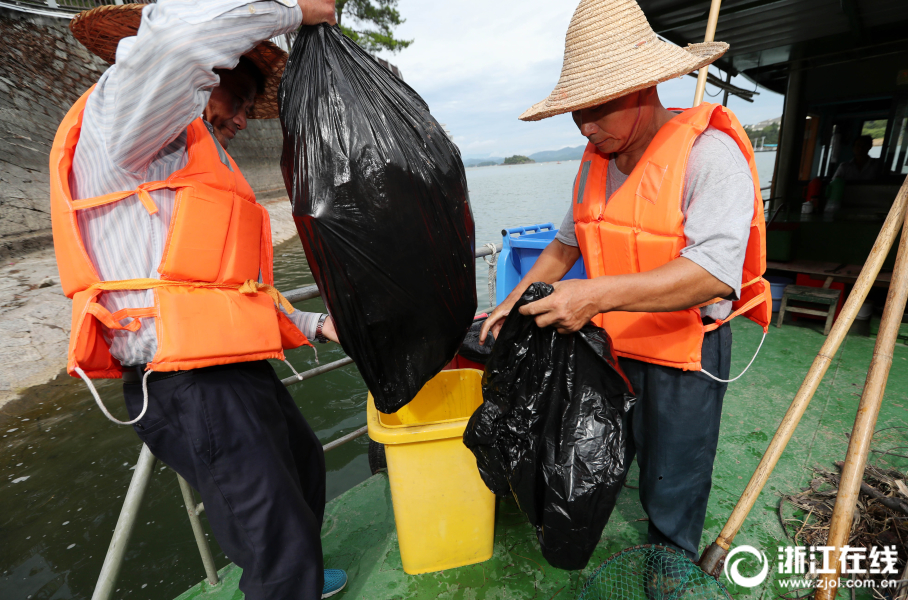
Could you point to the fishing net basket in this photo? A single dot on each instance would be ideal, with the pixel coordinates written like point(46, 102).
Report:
point(652, 572)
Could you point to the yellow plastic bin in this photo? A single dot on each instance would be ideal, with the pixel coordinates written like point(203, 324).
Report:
point(445, 514)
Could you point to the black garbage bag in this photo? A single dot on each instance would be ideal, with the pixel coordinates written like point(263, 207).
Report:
point(471, 349)
point(550, 430)
point(380, 201)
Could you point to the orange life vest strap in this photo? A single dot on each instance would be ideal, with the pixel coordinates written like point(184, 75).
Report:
point(112, 320)
point(751, 282)
point(141, 192)
point(708, 303)
point(742, 309)
point(249, 288)
point(717, 300)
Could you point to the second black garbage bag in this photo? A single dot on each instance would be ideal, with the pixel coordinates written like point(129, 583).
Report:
point(380, 201)
point(550, 430)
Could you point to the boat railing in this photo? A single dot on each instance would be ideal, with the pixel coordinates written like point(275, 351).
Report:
point(138, 485)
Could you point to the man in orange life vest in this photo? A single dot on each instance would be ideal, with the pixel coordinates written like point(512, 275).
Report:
point(168, 259)
point(668, 219)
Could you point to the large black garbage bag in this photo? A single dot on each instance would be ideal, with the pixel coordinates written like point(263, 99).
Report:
point(550, 430)
point(380, 201)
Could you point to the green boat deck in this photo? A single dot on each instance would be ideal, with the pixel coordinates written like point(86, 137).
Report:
point(359, 533)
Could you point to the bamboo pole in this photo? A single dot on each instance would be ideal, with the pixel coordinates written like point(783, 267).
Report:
point(710, 36)
point(903, 591)
point(865, 422)
point(712, 558)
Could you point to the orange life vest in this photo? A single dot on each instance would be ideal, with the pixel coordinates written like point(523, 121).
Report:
point(208, 307)
point(641, 227)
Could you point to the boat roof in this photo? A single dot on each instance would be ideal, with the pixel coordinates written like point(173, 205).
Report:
point(765, 36)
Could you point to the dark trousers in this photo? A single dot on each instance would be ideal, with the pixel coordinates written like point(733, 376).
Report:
point(674, 431)
point(235, 434)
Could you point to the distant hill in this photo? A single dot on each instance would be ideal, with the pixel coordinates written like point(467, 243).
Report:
point(574, 153)
point(545, 156)
point(518, 160)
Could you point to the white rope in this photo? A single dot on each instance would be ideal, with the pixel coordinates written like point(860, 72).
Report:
point(103, 408)
point(298, 376)
point(745, 368)
point(492, 261)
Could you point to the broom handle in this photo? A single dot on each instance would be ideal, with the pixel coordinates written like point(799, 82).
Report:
point(865, 422)
point(710, 36)
point(871, 269)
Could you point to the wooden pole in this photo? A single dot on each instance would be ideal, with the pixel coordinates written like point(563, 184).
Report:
point(712, 558)
point(710, 36)
point(865, 422)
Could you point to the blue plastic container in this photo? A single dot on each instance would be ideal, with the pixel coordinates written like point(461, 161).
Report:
point(521, 248)
point(777, 285)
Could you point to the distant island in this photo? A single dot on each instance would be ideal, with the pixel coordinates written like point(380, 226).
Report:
point(575, 153)
point(488, 163)
point(518, 160)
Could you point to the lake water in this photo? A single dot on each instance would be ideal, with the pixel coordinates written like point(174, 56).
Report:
point(64, 468)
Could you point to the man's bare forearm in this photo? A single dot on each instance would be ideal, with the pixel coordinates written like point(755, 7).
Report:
point(676, 285)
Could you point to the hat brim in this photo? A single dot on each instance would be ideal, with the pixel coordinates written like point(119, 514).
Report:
point(579, 89)
point(101, 29)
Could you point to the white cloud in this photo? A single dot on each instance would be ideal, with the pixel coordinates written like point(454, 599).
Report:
point(479, 65)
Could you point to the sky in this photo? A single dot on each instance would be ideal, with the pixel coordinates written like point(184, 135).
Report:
point(480, 64)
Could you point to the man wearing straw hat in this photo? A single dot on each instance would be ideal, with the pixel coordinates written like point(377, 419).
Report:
point(668, 219)
point(167, 257)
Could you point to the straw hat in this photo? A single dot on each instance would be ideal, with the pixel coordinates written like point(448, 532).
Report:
point(610, 51)
point(101, 29)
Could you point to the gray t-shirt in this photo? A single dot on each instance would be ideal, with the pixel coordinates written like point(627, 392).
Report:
point(718, 207)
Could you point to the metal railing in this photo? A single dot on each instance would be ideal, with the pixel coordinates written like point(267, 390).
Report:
point(138, 485)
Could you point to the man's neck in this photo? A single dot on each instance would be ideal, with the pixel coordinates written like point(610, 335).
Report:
point(652, 117)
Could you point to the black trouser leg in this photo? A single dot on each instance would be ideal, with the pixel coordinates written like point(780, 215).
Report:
point(674, 430)
point(234, 433)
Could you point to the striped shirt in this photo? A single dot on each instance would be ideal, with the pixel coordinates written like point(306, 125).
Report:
point(134, 131)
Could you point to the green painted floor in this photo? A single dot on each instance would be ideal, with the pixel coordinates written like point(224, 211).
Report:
point(359, 533)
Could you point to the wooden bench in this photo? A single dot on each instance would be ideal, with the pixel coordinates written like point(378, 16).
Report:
point(802, 293)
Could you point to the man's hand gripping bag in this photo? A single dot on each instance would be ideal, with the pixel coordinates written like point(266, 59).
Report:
point(550, 430)
point(380, 201)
